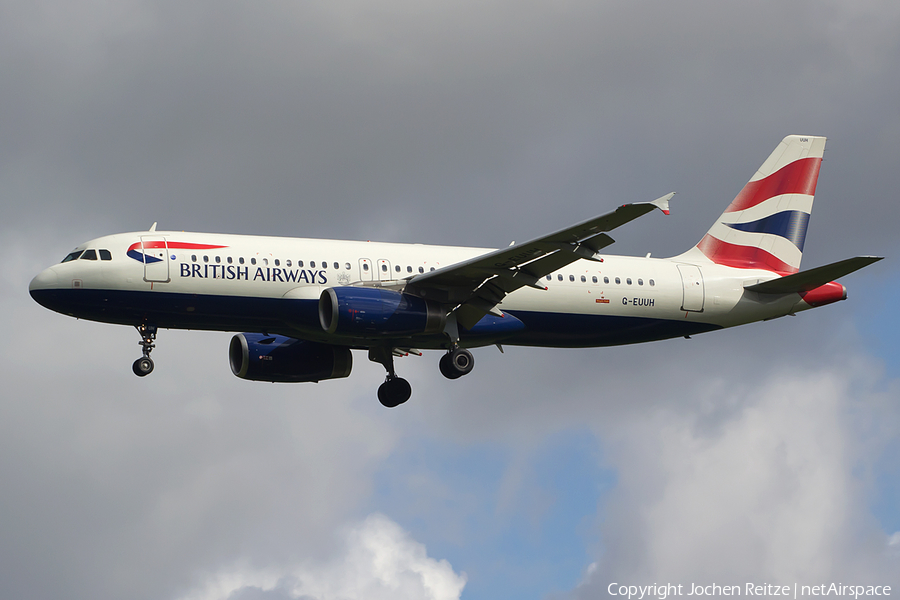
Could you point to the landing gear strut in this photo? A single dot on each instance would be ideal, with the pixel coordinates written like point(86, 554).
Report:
point(144, 365)
point(457, 362)
point(395, 390)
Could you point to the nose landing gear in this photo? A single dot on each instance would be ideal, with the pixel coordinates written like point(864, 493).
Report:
point(144, 365)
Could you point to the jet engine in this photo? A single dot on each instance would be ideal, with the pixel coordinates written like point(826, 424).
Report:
point(259, 357)
point(364, 310)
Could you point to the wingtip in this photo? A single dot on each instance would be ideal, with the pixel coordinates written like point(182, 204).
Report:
point(662, 203)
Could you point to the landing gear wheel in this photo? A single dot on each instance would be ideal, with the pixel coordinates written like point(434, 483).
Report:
point(394, 392)
point(142, 366)
point(456, 363)
point(446, 368)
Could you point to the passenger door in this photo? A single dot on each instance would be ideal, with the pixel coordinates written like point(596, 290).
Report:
point(156, 259)
point(692, 282)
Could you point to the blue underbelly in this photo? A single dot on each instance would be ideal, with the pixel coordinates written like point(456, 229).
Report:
point(293, 317)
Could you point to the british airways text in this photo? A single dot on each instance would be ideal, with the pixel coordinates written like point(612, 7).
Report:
point(233, 272)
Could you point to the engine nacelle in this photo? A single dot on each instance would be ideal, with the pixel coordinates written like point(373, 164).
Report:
point(367, 310)
point(259, 357)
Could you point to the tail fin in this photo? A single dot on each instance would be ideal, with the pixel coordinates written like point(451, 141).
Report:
point(765, 226)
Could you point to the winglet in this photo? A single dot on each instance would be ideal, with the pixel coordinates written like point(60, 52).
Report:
point(153, 227)
point(662, 203)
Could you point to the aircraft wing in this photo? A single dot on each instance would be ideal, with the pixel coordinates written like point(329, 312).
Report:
point(477, 285)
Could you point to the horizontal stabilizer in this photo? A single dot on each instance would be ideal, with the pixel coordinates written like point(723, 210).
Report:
point(805, 281)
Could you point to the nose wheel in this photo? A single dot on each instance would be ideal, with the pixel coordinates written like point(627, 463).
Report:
point(144, 365)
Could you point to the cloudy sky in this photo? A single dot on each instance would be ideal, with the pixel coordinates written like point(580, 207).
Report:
point(768, 453)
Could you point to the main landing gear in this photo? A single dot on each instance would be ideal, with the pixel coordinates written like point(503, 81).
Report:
point(456, 363)
point(395, 390)
point(144, 365)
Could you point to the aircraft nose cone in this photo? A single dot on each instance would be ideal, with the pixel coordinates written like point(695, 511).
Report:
point(48, 291)
point(46, 279)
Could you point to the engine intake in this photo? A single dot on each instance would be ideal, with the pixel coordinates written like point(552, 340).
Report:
point(361, 311)
point(259, 357)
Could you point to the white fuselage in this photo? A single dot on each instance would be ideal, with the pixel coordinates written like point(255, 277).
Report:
point(222, 281)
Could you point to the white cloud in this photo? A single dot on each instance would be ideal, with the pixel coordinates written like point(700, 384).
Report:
point(778, 491)
point(379, 560)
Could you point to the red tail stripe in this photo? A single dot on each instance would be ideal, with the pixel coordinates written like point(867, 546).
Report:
point(742, 257)
point(175, 245)
point(798, 177)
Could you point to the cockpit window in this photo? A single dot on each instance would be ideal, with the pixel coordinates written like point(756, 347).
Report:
point(105, 255)
point(89, 255)
point(72, 255)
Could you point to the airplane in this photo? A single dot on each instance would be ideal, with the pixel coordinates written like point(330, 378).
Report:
point(301, 305)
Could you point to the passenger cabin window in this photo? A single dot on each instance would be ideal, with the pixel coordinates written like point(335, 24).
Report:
point(193, 257)
point(252, 261)
point(266, 261)
point(229, 260)
point(205, 258)
point(606, 280)
point(300, 263)
point(408, 269)
point(571, 278)
point(628, 281)
point(105, 255)
point(618, 280)
point(312, 264)
point(218, 259)
point(384, 268)
point(397, 268)
point(640, 282)
point(288, 262)
point(421, 269)
point(583, 279)
point(337, 265)
point(347, 266)
point(559, 277)
point(72, 255)
point(594, 279)
point(652, 282)
point(89, 255)
point(277, 263)
point(549, 277)
point(241, 260)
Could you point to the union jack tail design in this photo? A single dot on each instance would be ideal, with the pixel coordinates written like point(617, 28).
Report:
point(765, 226)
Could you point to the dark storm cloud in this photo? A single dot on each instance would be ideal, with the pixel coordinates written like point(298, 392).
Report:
point(378, 120)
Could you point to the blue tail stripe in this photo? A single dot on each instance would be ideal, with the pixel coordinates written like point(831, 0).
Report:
point(790, 224)
point(142, 257)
